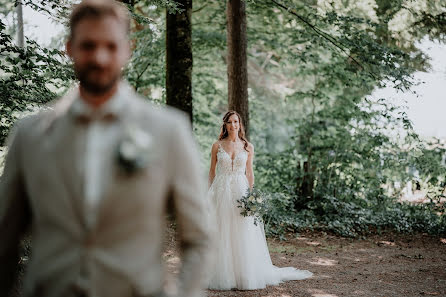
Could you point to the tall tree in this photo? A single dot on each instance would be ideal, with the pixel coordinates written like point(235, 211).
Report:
point(20, 33)
point(179, 57)
point(237, 59)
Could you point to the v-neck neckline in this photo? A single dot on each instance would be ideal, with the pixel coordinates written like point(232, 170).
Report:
point(235, 154)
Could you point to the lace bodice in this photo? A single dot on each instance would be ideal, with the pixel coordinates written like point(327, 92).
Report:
point(225, 164)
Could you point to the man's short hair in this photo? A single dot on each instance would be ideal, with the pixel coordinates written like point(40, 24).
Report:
point(97, 9)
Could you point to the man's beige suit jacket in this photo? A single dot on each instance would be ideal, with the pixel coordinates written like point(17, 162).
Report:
point(120, 254)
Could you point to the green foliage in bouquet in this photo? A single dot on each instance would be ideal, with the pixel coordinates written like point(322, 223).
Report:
point(253, 204)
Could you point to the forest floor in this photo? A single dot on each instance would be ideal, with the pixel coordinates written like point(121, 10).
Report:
point(385, 265)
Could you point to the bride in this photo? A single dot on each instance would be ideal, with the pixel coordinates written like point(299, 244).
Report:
point(242, 259)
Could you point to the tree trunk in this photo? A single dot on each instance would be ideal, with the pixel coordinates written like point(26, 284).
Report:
point(237, 60)
point(179, 58)
point(20, 33)
point(305, 185)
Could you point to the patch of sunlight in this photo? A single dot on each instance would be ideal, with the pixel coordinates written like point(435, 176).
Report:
point(320, 293)
point(324, 262)
point(313, 243)
point(384, 242)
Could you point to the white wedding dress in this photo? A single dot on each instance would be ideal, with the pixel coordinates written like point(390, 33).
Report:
point(242, 258)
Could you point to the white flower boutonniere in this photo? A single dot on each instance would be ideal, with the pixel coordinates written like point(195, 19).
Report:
point(134, 151)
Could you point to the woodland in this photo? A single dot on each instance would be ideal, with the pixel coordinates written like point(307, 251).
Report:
point(328, 157)
point(331, 161)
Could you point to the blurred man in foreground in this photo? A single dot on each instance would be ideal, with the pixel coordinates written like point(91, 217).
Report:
point(91, 177)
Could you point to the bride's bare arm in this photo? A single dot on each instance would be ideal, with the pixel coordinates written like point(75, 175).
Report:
point(249, 167)
point(214, 151)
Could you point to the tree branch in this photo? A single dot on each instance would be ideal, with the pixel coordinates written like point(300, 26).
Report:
point(140, 75)
point(198, 9)
point(324, 35)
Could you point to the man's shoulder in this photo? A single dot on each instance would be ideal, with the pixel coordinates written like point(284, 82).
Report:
point(33, 120)
point(39, 121)
point(26, 128)
point(164, 115)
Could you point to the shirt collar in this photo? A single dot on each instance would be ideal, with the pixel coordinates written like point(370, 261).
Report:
point(113, 107)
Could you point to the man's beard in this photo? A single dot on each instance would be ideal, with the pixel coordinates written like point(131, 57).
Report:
point(91, 85)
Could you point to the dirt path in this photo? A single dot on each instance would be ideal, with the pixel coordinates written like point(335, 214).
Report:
point(387, 265)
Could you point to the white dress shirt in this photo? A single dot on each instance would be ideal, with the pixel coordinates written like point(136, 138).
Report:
point(97, 137)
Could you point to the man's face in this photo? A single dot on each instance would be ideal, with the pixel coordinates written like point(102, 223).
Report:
point(99, 49)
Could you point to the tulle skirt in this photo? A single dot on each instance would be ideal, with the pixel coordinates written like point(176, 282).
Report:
point(241, 258)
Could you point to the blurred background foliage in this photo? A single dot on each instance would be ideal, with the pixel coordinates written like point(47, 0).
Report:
point(330, 156)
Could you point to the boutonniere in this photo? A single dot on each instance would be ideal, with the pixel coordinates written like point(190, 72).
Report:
point(134, 150)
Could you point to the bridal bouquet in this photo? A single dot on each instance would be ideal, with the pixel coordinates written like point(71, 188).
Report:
point(253, 204)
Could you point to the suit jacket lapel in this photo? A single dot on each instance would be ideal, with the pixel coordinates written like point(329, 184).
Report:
point(67, 141)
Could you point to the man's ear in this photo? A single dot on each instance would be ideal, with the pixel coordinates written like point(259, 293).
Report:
point(68, 48)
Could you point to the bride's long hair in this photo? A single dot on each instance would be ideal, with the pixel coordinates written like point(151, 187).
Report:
point(241, 132)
